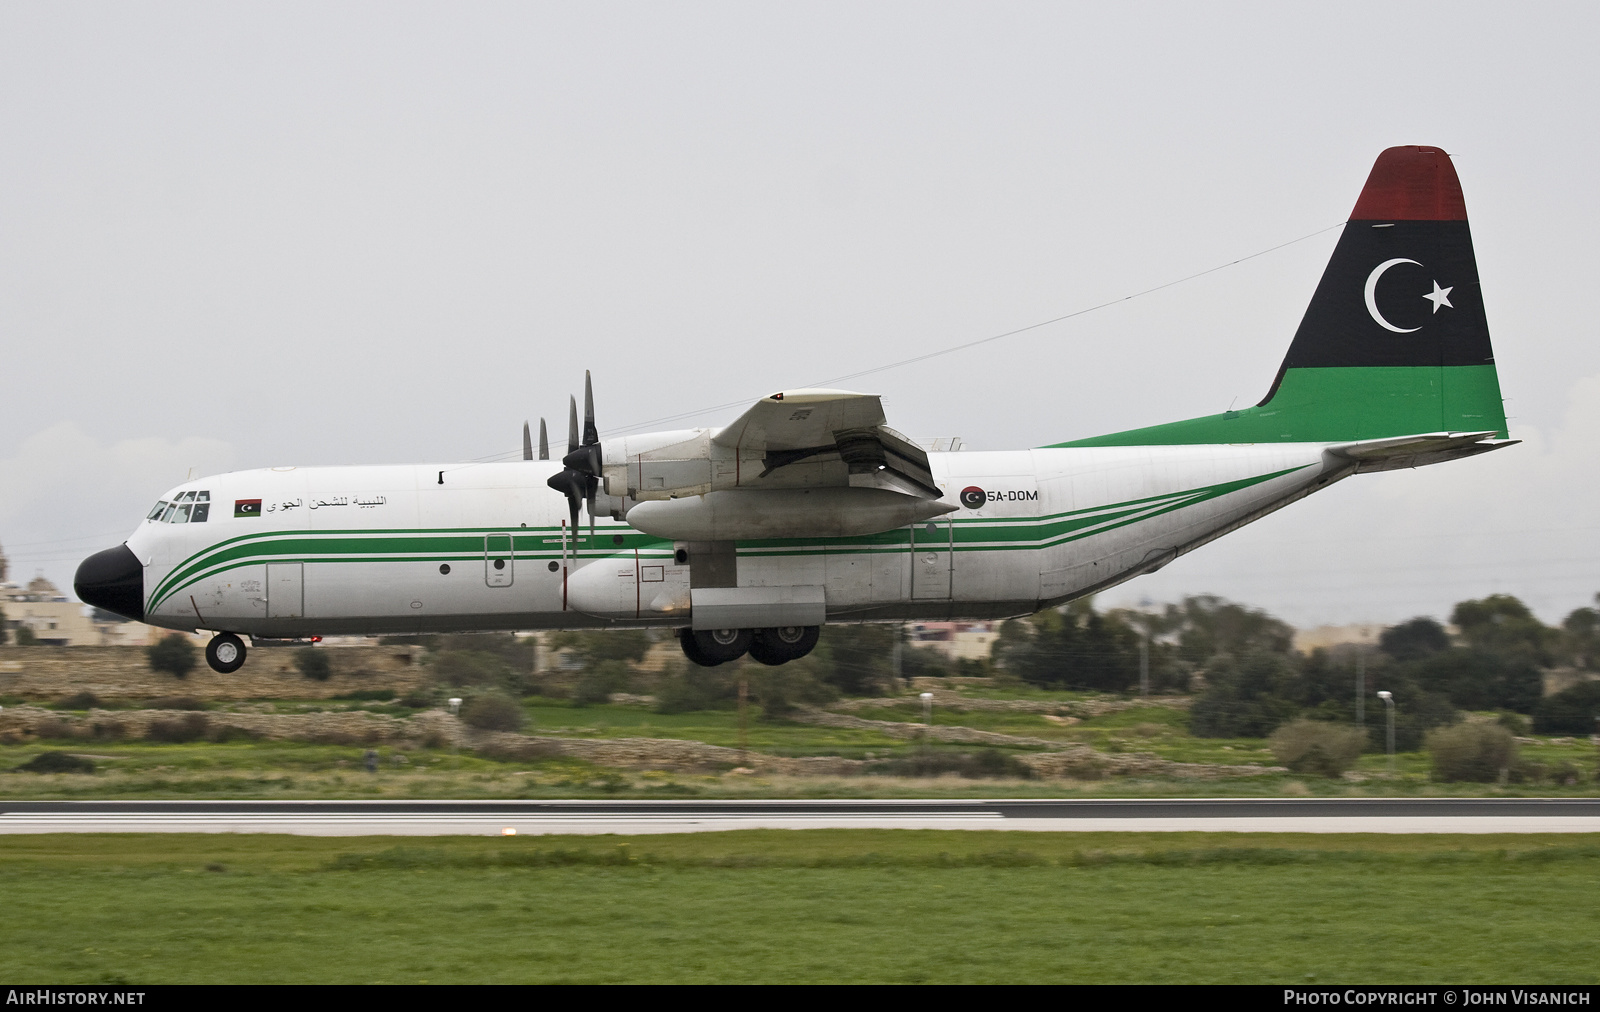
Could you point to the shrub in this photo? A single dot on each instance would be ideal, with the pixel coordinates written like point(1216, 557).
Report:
point(176, 703)
point(57, 762)
point(25, 636)
point(1245, 699)
point(1561, 774)
point(54, 727)
point(174, 655)
point(418, 699)
point(1514, 722)
point(1317, 747)
point(1476, 753)
point(493, 712)
point(189, 727)
point(313, 663)
point(77, 701)
point(1570, 712)
point(928, 762)
point(695, 688)
point(600, 680)
point(471, 667)
point(781, 690)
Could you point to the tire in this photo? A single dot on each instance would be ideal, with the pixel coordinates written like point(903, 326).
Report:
point(691, 649)
point(720, 646)
point(225, 653)
point(783, 644)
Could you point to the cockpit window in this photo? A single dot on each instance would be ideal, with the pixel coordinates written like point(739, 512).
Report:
point(188, 508)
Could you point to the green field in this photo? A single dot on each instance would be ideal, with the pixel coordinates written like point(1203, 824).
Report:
point(285, 769)
point(816, 906)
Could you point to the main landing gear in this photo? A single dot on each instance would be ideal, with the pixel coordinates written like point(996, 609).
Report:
point(225, 653)
point(710, 647)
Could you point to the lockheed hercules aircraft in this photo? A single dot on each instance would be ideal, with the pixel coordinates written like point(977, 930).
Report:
point(808, 508)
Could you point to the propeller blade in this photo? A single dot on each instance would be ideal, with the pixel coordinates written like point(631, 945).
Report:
point(527, 441)
point(591, 435)
point(572, 424)
point(544, 442)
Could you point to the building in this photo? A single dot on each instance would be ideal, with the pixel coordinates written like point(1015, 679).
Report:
point(56, 620)
point(956, 640)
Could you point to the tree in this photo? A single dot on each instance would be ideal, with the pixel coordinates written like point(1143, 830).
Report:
point(1411, 641)
point(174, 654)
point(857, 659)
point(1502, 624)
point(613, 645)
point(1572, 711)
point(1071, 648)
point(1245, 699)
point(1580, 637)
point(1208, 625)
point(1481, 679)
point(4, 632)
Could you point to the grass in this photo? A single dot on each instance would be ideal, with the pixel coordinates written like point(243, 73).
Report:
point(244, 768)
point(814, 906)
point(714, 727)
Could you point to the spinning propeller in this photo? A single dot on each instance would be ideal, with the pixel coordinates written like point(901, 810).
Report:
point(527, 442)
point(580, 478)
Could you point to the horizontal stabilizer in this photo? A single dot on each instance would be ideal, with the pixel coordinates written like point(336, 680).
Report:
point(1414, 451)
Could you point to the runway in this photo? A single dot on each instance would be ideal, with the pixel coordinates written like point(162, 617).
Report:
point(494, 818)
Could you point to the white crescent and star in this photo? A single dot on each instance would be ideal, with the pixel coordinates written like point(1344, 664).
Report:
point(1439, 296)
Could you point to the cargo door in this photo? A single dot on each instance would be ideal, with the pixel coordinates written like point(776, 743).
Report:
point(931, 545)
point(497, 560)
point(286, 590)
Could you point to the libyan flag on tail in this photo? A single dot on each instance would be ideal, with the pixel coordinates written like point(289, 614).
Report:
point(247, 507)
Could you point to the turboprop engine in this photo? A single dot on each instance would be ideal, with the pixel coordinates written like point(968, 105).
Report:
point(782, 513)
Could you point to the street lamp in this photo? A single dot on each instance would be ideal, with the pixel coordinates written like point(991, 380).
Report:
point(1388, 702)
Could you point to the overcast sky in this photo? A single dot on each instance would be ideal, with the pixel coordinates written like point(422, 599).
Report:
point(239, 235)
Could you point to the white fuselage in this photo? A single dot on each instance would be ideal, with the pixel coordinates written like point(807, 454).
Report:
point(391, 549)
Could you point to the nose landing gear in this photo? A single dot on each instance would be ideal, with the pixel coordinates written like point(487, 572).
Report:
point(225, 653)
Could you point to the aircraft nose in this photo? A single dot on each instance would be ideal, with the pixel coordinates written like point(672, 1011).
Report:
point(112, 580)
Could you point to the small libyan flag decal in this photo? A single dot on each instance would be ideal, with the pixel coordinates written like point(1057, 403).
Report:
point(247, 507)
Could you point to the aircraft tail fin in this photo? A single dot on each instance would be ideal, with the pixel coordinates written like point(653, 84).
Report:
point(1395, 341)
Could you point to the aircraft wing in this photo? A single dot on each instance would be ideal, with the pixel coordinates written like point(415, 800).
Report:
point(793, 439)
point(827, 427)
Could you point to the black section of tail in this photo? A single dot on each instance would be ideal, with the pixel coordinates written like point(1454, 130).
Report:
point(1396, 293)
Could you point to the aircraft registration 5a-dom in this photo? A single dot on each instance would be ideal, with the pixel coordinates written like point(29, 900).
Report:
point(808, 508)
